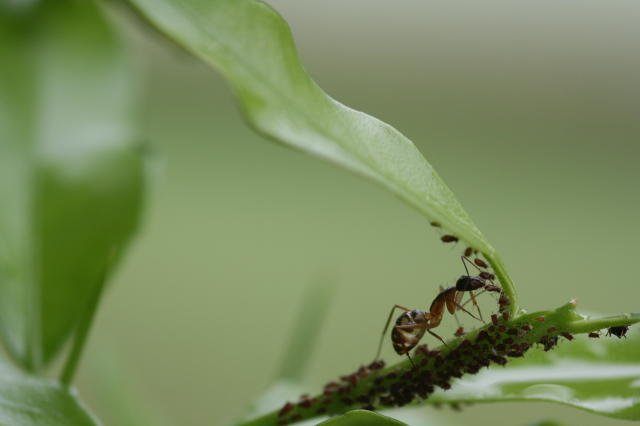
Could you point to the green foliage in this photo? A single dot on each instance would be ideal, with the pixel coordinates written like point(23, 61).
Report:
point(71, 174)
point(251, 45)
point(361, 418)
point(30, 401)
point(600, 376)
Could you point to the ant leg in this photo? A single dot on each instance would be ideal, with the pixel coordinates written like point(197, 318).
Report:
point(437, 337)
point(453, 303)
point(474, 265)
point(464, 310)
point(386, 326)
point(412, 363)
point(479, 293)
point(425, 326)
point(475, 303)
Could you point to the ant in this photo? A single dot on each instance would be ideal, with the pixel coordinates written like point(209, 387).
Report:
point(412, 324)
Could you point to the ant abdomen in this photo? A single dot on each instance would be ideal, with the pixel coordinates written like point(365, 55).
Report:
point(405, 337)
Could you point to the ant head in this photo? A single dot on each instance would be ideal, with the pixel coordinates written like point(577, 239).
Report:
point(467, 283)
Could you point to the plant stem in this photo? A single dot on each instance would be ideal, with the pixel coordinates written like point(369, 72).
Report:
point(563, 319)
point(505, 281)
point(82, 331)
point(588, 325)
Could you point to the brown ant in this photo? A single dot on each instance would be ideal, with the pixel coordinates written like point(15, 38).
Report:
point(412, 324)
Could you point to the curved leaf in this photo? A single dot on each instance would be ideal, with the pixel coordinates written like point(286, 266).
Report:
point(361, 418)
point(600, 376)
point(70, 177)
point(31, 401)
point(252, 46)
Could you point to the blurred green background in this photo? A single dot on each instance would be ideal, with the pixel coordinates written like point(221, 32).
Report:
point(529, 111)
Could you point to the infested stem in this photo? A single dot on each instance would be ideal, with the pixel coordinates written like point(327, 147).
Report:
point(521, 333)
point(589, 325)
point(505, 282)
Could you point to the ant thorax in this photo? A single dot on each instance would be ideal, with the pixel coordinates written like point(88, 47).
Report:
point(404, 339)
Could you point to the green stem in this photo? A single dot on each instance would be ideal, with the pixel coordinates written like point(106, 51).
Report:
point(82, 331)
point(589, 325)
point(564, 319)
point(505, 281)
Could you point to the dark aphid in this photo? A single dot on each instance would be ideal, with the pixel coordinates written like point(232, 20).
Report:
point(619, 331)
point(539, 319)
point(305, 403)
point(481, 263)
point(505, 316)
point(552, 330)
point(468, 252)
point(435, 224)
point(376, 365)
point(594, 335)
point(449, 239)
point(286, 408)
point(494, 319)
point(526, 327)
point(488, 276)
point(504, 300)
point(460, 332)
point(567, 336)
point(549, 343)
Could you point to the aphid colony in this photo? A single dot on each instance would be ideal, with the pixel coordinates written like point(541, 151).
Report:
point(495, 343)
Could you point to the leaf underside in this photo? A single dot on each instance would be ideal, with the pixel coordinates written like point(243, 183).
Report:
point(252, 46)
point(361, 418)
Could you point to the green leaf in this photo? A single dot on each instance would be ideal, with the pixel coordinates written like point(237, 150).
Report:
point(597, 375)
point(30, 401)
point(71, 176)
point(252, 46)
point(362, 418)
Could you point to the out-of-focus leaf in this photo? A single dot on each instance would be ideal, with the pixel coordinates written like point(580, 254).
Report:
point(252, 46)
point(361, 418)
point(304, 336)
point(30, 401)
point(71, 174)
point(600, 376)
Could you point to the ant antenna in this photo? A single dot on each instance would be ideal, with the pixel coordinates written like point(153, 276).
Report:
point(462, 259)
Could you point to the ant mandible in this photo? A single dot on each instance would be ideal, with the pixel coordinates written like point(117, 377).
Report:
point(412, 324)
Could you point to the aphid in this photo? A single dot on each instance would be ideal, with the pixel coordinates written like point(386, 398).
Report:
point(620, 331)
point(449, 239)
point(539, 319)
point(286, 408)
point(504, 300)
point(481, 263)
point(468, 252)
point(567, 336)
point(494, 319)
point(594, 335)
point(552, 330)
point(459, 332)
point(435, 224)
point(487, 276)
